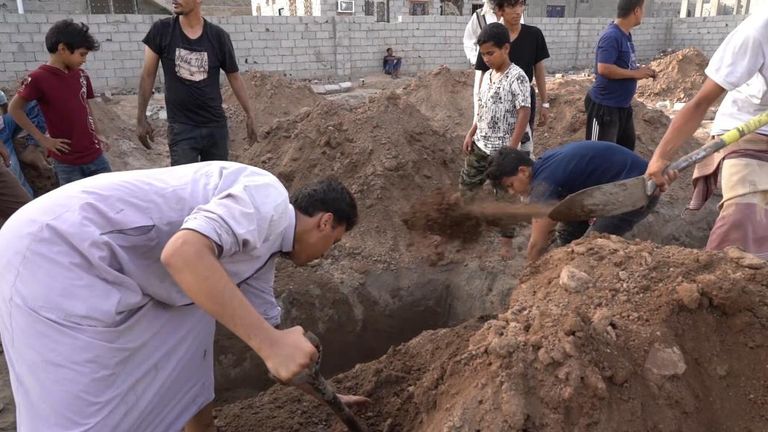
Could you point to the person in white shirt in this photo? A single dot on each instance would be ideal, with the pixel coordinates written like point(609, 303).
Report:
point(110, 288)
point(739, 68)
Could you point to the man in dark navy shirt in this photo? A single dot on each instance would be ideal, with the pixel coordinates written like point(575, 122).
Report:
point(563, 171)
point(609, 102)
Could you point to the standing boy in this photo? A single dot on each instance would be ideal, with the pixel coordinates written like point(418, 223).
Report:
point(62, 90)
point(560, 172)
point(504, 107)
point(527, 50)
point(609, 102)
point(193, 51)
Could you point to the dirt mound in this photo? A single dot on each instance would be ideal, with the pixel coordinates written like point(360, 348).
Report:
point(384, 151)
point(603, 335)
point(679, 76)
point(445, 96)
point(272, 97)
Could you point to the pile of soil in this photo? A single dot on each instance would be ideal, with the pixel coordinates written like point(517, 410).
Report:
point(679, 76)
point(385, 151)
point(445, 96)
point(603, 335)
point(272, 97)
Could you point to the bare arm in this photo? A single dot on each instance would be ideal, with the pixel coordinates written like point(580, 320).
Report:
point(467, 145)
point(16, 109)
point(523, 115)
point(612, 71)
point(540, 75)
point(190, 259)
point(541, 232)
point(102, 140)
point(238, 88)
point(146, 84)
point(147, 81)
point(682, 127)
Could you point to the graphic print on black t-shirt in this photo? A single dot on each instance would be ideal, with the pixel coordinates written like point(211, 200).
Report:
point(191, 65)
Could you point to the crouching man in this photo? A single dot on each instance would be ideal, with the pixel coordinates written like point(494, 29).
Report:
point(110, 289)
point(563, 171)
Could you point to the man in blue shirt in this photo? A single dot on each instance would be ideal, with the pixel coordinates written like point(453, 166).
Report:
point(563, 171)
point(609, 102)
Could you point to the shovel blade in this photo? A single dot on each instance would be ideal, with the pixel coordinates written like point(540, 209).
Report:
point(608, 199)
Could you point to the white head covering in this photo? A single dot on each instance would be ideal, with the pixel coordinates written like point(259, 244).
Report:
point(487, 7)
point(3, 98)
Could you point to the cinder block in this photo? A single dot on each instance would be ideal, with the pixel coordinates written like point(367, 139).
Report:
point(15, 67)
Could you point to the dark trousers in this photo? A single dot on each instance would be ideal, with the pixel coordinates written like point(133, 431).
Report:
point(12, 195)
point(619, 225)
point(190, 144)
point(610, 124)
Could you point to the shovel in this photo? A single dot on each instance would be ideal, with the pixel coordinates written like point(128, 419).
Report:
point(619, 197)
point(324, 391)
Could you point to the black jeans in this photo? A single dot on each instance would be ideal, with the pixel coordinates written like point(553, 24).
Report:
point(190, 144)
point(619, 225)
point(610, 124)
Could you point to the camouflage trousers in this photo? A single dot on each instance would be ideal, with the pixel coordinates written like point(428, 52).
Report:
point(472, 178)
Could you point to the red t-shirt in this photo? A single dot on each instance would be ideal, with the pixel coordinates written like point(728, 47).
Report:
point(63, 98)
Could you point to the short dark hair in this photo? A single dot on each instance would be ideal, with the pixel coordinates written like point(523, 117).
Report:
point(494, 33)
point(389, 49)
point(73, 35)
point(506, 163)
point(625, 8)
point(501, 4)
point(328, 195)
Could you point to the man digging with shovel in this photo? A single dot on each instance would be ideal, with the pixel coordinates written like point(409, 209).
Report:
point(561, 172)
point(740, 68)
point(110, 289)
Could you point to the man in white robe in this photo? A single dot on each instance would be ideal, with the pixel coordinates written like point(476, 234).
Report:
point(110, 288)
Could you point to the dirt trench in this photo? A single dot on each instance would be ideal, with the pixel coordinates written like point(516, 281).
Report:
point(359, 317)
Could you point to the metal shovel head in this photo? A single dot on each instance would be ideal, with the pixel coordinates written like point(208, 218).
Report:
point(608, 199)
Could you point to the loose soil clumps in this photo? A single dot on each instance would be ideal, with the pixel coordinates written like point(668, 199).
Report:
point(602, 335)
point(679, 77)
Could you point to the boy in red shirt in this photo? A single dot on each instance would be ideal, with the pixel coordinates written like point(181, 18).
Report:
point(62, 89)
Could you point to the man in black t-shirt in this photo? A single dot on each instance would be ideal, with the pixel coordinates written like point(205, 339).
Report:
point(192, 51)
point(528, 50)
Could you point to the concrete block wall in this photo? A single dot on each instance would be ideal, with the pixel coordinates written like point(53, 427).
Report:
point(706, 33)
point(46, 6)
point(336, 47)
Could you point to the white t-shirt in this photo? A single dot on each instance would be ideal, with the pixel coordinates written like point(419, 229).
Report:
point(740, 65)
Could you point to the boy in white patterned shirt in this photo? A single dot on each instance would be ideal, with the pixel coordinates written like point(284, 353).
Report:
point(504, 108)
